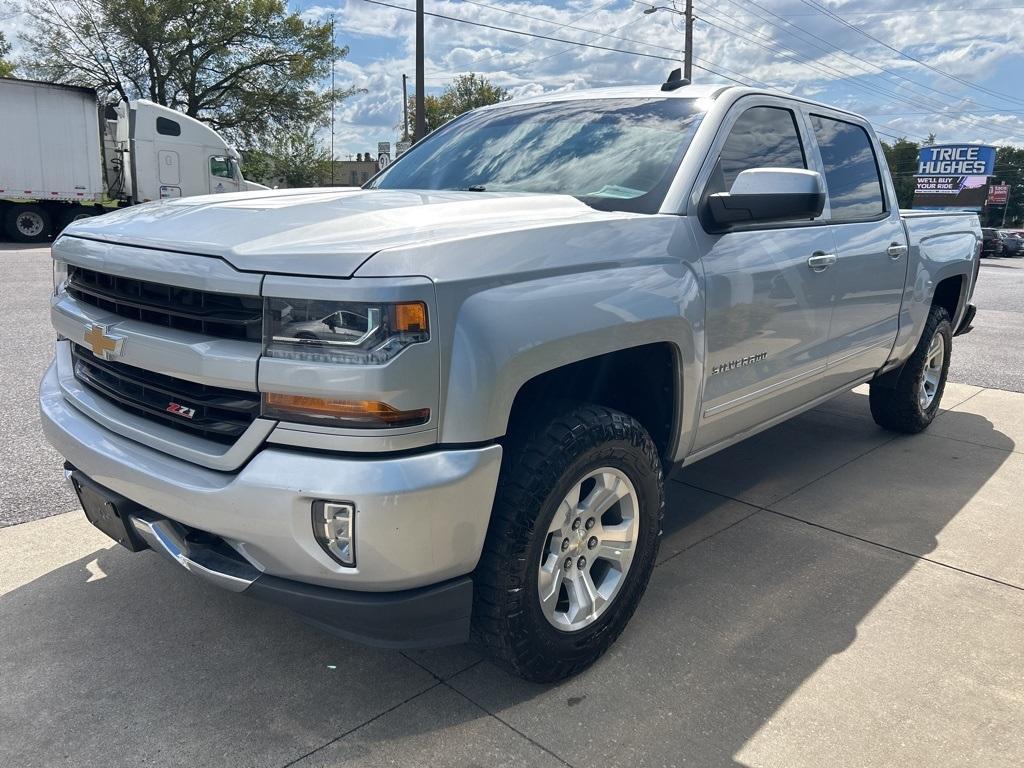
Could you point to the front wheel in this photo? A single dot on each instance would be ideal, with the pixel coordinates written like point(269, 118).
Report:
point(912, 402)
point(572, 542)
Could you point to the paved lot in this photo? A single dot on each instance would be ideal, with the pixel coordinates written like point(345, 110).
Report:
point(992, 355)
point(827, 594)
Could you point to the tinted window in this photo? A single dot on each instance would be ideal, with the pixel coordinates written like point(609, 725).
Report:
point(221, 166)
point(167, 127)
point(763, 137)
point(851, 171)
point(615, 154)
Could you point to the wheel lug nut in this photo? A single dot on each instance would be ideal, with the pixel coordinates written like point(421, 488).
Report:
point(592, 543)
point(590, 523)
point(581, 563)
point(576, 524)
point(565, 544)
point(568, 563)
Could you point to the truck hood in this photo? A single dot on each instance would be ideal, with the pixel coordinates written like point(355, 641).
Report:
point(323, 232)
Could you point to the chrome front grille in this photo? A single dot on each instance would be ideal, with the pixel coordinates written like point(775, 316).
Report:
point(211, 412)
point(222, 315)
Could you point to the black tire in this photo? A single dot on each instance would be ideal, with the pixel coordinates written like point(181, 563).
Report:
point(70, 215)
point(895, 403)
point(538, 470)
point(28, 223)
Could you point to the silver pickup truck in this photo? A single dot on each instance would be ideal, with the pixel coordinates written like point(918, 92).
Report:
point(442, 406)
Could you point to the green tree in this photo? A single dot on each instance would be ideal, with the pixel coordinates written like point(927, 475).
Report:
point(296, 157)
point(901, 157)
point(1009, 169)
point(249, 68)
point(462, 94)
point(6, 67)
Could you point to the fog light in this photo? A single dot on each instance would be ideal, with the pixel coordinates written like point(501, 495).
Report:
point(334, 529)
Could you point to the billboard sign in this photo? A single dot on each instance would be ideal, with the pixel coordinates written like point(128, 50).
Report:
point(962, 192)
point(956, 160)
point(998, 194)
point(954, 176)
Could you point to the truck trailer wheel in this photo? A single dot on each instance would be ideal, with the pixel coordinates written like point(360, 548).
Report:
point(27, 223)
point(572, 542)
point(72, 214)
point(911, 402)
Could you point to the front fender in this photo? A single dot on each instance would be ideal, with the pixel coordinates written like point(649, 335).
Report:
point(506, 335)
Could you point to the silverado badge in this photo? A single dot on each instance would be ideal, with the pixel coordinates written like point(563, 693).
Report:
point(733, 364)
point(105, 346)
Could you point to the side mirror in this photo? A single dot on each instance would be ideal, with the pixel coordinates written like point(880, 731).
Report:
point(769, 194)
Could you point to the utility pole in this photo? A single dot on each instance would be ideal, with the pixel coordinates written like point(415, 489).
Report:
point(1006, 206)
point(421, 115)
point(688, 53)
point(405, 108)
point(688, 61)
point(332, 100)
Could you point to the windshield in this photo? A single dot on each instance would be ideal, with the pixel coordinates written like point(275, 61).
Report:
point(613, 154)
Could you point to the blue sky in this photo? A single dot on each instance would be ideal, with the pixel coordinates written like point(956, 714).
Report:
point(965, 86)
point(791, 44)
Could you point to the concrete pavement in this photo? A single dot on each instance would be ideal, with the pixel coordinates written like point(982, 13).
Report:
point(827, 594)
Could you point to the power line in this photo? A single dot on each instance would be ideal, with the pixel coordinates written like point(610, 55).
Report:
point(571, 21)
point(939, 106)
point(855, 28)
point(570, 25)
point(552, 39)
point(861, 61)
point(911, 11)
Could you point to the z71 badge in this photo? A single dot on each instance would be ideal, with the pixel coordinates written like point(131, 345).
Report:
point(180, 410)
point(733, 364)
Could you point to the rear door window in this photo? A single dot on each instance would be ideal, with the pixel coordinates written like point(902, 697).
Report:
point(851, 169)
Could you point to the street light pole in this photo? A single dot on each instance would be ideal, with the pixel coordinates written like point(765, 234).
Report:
point(421, 116)
point(688, 53)
point(688, 61)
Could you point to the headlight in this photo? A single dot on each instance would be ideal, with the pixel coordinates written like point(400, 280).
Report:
point(352, 333)
point(60, 277)
point(341, 332)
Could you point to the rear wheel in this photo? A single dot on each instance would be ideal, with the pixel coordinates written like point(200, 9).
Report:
point(27, 223)
point(572, 542)
point(71, 215)
point(911, 403)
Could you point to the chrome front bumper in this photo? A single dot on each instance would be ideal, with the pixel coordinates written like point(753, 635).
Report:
point(420, 519)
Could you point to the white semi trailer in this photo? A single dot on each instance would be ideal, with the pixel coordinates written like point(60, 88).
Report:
point(64, 156)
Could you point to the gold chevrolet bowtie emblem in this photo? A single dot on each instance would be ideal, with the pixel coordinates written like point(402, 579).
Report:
point(104, 345)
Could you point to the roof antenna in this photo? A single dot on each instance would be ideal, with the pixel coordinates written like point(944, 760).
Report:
point(675, 80)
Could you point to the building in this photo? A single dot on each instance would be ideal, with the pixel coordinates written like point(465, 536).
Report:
point(354, 173)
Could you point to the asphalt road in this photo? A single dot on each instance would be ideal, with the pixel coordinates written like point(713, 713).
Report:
point(31, 481)
point(992, 355)
point(30, 471)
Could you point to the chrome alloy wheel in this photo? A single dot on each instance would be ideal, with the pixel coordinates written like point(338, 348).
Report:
point(588, 549)
point(932, 372)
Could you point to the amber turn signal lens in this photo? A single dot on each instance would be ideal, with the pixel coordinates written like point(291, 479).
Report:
point(371, 414)
point(411, 317)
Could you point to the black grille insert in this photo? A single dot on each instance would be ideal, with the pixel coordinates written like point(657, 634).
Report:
point(223, 315)
point(219, 414)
